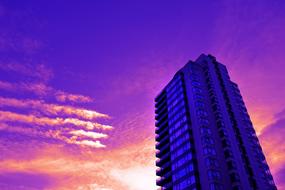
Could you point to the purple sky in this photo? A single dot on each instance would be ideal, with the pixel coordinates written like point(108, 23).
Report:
point(64, 63)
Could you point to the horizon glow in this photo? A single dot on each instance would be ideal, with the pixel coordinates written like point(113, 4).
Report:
point(78, 82)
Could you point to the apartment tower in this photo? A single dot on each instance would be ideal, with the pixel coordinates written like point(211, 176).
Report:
point(205, 139)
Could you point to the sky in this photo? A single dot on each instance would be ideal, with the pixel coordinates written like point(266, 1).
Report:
point(78, 81)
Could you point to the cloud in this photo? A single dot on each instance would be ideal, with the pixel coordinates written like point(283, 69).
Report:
point(67, 97)
point(6, 85)
point(41, 89)
point(36, 88)
point(136, 178)
point(95, 144)
point(272, 140)
point(252, 51)
point(51, 108)
point(90, 134)
point(31, 119)
point(61, 134)
point(38, 72)
point(103, 169)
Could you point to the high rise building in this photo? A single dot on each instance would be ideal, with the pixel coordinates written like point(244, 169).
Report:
point(204, 136)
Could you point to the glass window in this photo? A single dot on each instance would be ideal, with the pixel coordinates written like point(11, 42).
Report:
point(214, 175)
point(215, 186)
point(209, 151)
point(204, 121)
point(205, 131)
point(207, 140)
point(211, 162)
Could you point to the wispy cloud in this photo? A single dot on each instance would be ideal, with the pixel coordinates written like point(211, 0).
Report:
point(272, 139)
point(6, 85)
point(78, 137)
point(38, 72)
point(95, 144)
point(93, 135)
point(42, 89)
point(32, 119)
point(54, 109)
point(67, 97)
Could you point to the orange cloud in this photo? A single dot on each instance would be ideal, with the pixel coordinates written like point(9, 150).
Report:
point(90, 134)
point(126, 168)
point(64, 97)
point(95, 144)
point(52, 108)
point(59, 135)
point(31, 119)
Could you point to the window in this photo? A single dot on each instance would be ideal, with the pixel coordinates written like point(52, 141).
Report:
point(179, 162)
point(185, 183)
point(223, 133)
point(205, 130)
point(211, 162)
point(202, 113)
point(197, 90)
point(175, 82)
point(228, 154)
point(177, 95)
point(225, 143)
point(173, 119)
point(182, 149)
point(180, 173)
point(178, 108)
point(209, 151)
point(234, 177)
point(231, 165)
point(216, 186)
point(204, 121)
point(178, 124)
point(207, 140)
point(179, 142)
point(198, 96)
point(196, 83)
point(179, 133)
point(214, 175)
point(199, 104)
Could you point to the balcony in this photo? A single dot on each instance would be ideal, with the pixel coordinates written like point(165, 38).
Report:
point(161, 116)
point(164, 180)
point(161, 133)
point(164, 159)
point(163, 150)
point(160, 106)
point(161, 123)
point(163, 169)
point(164, 141)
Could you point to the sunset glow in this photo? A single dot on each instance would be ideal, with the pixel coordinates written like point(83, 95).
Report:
point(78, 82)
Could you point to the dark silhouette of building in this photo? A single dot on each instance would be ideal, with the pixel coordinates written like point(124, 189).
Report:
point(204, 135)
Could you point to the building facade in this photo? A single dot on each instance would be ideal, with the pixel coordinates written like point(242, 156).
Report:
point(204, 136)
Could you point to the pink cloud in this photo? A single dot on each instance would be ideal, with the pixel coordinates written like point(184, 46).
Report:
point(39, 72)
point(6, 85)
point(107, 169)
point(67, 97)
point(42, 121)
point(52, 108)
point(42, 89)
point(95, 144)
point(90, 134)
point(59, 134)
point(36, 88)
